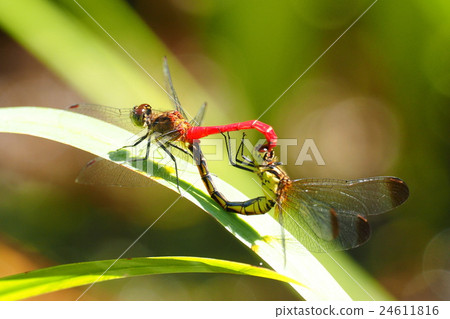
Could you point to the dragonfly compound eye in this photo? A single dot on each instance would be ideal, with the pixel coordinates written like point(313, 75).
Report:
point(269, 156)
point(139, 113)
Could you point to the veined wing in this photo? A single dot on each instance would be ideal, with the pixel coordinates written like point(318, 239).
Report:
point(100, 171)
point(198, 119)
point(116, 116)
point(330, 214)
point(159, 164)
point(173, 93)
point(378, 194)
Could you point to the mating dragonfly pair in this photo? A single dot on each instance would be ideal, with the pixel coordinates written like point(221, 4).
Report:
point(329, 214)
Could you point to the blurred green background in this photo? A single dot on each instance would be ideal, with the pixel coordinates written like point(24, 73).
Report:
point(375, 104)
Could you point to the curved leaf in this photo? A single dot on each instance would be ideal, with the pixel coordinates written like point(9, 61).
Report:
point(51, 279)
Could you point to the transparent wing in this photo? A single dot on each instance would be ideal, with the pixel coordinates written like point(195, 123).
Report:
point(158, 165)
point(330, 214)
point(100, 171)
point(198, 119)
point(116, 116)
point(173, 93)
point(377, 194)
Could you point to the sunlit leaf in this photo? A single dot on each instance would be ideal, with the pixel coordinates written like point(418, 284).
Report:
point(51, 279)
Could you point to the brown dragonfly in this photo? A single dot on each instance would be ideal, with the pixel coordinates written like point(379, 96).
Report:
point(324, 214)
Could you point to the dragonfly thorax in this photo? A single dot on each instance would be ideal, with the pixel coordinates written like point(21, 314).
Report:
point(270, 180)
point(171, 121)
point(274, 179)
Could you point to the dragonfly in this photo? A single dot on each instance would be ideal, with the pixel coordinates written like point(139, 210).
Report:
point(169, 130)
point(324, 214)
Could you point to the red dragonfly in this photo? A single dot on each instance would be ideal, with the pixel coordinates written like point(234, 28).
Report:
point(168, 129)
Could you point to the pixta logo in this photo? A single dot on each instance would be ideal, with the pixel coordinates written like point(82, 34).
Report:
point(309, 152)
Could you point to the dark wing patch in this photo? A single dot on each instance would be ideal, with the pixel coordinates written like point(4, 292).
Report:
point(330, 214)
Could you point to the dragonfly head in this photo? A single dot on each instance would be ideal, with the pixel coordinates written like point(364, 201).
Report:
point(269, 157)
point(266, 159)
point(263, 148)
point(140, 113)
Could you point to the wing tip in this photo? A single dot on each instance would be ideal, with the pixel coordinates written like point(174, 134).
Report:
point(399, 190)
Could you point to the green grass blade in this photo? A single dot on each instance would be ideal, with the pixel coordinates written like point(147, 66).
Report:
point(51, 279)
point(257, 232)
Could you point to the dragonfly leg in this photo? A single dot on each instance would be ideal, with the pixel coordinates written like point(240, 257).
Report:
point(254, 206)
point(180, 149)
point(139, 141)
point(236, 160)
point(147, 151)
point(245, 160)
point(172, 136)
point(164, 148)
